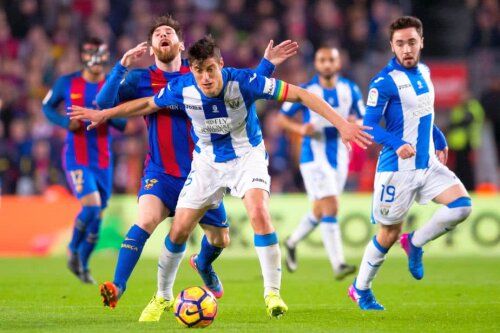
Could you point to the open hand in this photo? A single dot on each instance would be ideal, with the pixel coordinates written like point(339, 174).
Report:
point(355, 133)
point(132, 55)
point(78, 113)
point(279, 53)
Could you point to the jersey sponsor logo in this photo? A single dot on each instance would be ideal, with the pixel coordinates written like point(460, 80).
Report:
point(217, 126)
point(424, 107)
point(404, 86)
point(233, 103)
point(75, 96)
point(269, 86)
point(253, 77)
point(259, 180)
point(150, 183)
point(372, 97)
point(193, 107)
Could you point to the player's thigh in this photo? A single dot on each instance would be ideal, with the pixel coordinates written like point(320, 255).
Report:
point(83, 183)
point(320, 180)
point(204, 187)
point(441, 185)
point(152, 212)
point(393, 195)
point(250, 172)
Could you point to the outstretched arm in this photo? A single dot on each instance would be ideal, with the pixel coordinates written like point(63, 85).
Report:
point(348, 131)
point(138, 107)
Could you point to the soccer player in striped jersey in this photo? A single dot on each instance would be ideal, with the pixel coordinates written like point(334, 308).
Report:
point(324, 159)
point(229, 151)
point(87, 154)
point(411, 166)
point(168, 160)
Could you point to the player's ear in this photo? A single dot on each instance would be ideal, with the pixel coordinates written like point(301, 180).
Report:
point(422, 44)
point(221, 62)
point(392, 48)
point(181, 46)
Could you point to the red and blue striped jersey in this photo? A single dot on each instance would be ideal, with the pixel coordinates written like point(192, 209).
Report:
point(170, 143)
point(169, 131)
point(83, 148)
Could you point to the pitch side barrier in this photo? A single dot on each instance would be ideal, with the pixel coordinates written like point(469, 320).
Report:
point(37, 226)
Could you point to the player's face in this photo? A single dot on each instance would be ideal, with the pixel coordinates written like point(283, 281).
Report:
point(166, 44)
point(94, 57)
point(208, 76)
point(406, 45)
point(327, 62)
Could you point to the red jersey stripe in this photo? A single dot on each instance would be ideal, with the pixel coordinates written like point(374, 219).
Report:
point(77, 97)
point(164, 129)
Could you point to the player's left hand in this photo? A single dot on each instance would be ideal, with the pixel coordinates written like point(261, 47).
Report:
point(78, 113)
point(279, 53)
point(355, 132)
point(442, 155)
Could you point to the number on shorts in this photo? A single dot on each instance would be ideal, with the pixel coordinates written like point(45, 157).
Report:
point(189, 178)
point(390, 191)
point(77, 178)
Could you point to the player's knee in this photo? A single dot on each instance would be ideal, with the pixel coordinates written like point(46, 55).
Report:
point(179, 235)
point(221, 241)
point(149, 222)
point(259, 214)
point(89, 214)
point(461, 208)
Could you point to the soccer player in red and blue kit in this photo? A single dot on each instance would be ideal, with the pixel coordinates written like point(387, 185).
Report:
point(168, 162)
point(87, 157)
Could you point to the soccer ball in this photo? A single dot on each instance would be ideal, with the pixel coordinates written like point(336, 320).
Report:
point(195, 307)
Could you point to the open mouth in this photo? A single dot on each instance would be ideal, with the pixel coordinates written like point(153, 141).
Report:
point(164, 43)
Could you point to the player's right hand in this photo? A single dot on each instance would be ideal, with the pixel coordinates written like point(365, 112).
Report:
point(132, 55)
point(355, 132)
point(78, 113)
point(307, 130)
point(406, 151)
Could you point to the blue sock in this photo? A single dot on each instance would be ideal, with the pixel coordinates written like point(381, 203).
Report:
point(130, 252)
point(208, 254)
point(88, 244)
point(87, 215)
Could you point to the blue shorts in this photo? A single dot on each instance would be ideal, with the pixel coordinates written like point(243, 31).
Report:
point(84, 180)
point(168, 188)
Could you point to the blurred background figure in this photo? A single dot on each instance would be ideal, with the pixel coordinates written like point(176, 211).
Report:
point(464, 137)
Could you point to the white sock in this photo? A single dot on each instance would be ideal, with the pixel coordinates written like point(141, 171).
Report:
point(168, 265)
point(444, 220)
point(269, 254)
point(305, 227)
point(330, 232)
point(370, 264)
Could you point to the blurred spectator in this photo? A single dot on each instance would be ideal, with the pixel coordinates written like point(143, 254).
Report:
point(491, 104)
point(464, 137)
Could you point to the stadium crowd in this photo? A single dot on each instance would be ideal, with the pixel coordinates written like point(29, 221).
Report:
point(39, 41)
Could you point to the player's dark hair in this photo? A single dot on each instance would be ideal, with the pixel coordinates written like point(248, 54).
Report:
point(167, 20)
point(91, 41)
point(203, 49)
point(406, 22)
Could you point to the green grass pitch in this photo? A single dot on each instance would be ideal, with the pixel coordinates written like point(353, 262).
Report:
point(456, 295)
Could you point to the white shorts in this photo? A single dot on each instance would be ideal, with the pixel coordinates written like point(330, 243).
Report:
point(208, 181)
point(321, 180)
point(394, 192)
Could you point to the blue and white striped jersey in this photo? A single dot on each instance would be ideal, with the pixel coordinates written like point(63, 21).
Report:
point(405, 99)
point(224, 127)
point(327, 144)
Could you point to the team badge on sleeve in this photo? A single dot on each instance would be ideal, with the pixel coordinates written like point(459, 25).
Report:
point(372, 97)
